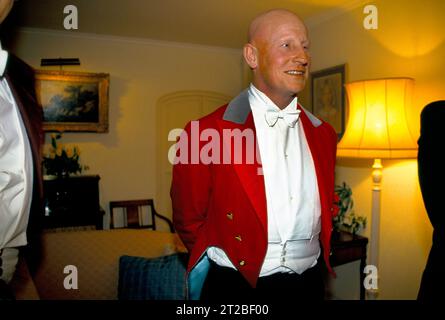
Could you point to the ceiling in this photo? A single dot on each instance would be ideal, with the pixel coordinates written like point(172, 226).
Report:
point(207, 22)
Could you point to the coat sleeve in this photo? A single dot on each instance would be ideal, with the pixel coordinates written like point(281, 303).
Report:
point(430, 162)
point(191, 188)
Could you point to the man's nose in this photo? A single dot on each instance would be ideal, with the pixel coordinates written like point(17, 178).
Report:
point(301, 56)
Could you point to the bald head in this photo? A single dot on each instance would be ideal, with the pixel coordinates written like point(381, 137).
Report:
point(278, 54)
point(266, 21)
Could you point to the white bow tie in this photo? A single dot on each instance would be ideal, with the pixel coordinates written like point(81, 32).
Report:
point(290, 117)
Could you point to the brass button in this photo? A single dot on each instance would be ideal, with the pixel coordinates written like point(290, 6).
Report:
point(238, 238)
point(242, 263)
point(230, 215)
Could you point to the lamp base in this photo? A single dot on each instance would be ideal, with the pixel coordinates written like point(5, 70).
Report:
point(372, 294)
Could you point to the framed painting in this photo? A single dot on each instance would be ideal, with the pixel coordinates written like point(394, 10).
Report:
point(73, 101)
point(328, 97)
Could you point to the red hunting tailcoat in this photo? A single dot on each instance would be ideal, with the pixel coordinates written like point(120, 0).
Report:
point(223, 203)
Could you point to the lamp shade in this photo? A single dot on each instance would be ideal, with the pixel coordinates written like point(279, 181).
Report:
point(377, 126)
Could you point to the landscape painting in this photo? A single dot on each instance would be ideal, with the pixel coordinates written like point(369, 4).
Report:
point(73, 101)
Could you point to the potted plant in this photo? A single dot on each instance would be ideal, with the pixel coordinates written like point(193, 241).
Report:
point(346, 219)
point(62, 161)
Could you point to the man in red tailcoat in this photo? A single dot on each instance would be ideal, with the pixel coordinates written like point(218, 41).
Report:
point(253, 182)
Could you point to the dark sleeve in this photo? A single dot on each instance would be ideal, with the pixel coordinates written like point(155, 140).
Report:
point(431, 168)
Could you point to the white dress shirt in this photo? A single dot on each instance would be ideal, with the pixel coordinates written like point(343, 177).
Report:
point(293, 204)
point(16, 168)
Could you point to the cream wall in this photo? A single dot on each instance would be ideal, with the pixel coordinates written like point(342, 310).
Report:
point(409, 42)
point(141, 71)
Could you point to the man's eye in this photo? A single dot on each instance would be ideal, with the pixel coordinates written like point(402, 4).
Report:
point(286, 45)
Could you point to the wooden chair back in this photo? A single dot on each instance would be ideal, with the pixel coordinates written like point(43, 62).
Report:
point(133, 214)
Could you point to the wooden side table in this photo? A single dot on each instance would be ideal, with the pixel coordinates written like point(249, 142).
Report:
point(348, 248)
point(72, 202)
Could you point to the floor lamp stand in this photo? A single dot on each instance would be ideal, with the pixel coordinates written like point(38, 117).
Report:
point(372, 294)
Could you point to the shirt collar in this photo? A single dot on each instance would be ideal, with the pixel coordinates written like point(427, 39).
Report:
point(3, 61)
point(270, 105)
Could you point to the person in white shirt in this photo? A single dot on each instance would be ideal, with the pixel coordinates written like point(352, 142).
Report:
point(254, 230)
point(21, 138)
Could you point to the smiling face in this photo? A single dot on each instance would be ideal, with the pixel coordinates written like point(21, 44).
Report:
point(277, 53)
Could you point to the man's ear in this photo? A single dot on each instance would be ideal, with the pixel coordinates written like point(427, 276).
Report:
point(5, 7)
point(250, 54)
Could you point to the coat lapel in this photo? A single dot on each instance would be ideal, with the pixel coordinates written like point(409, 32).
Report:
point(310, 123)
point(238, 116)
point(21, 79)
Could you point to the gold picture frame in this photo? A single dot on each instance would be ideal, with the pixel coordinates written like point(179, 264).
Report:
point(328, 97)
point(73, 101)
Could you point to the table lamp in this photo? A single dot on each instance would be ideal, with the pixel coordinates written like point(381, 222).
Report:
point(377, 128)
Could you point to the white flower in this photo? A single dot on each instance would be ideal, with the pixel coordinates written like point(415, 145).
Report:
point(347, 220)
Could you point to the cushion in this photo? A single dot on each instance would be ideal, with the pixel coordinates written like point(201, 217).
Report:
point(160, 278)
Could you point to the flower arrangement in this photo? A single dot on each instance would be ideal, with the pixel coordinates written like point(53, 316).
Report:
point(346, 219)
point(62, 161)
